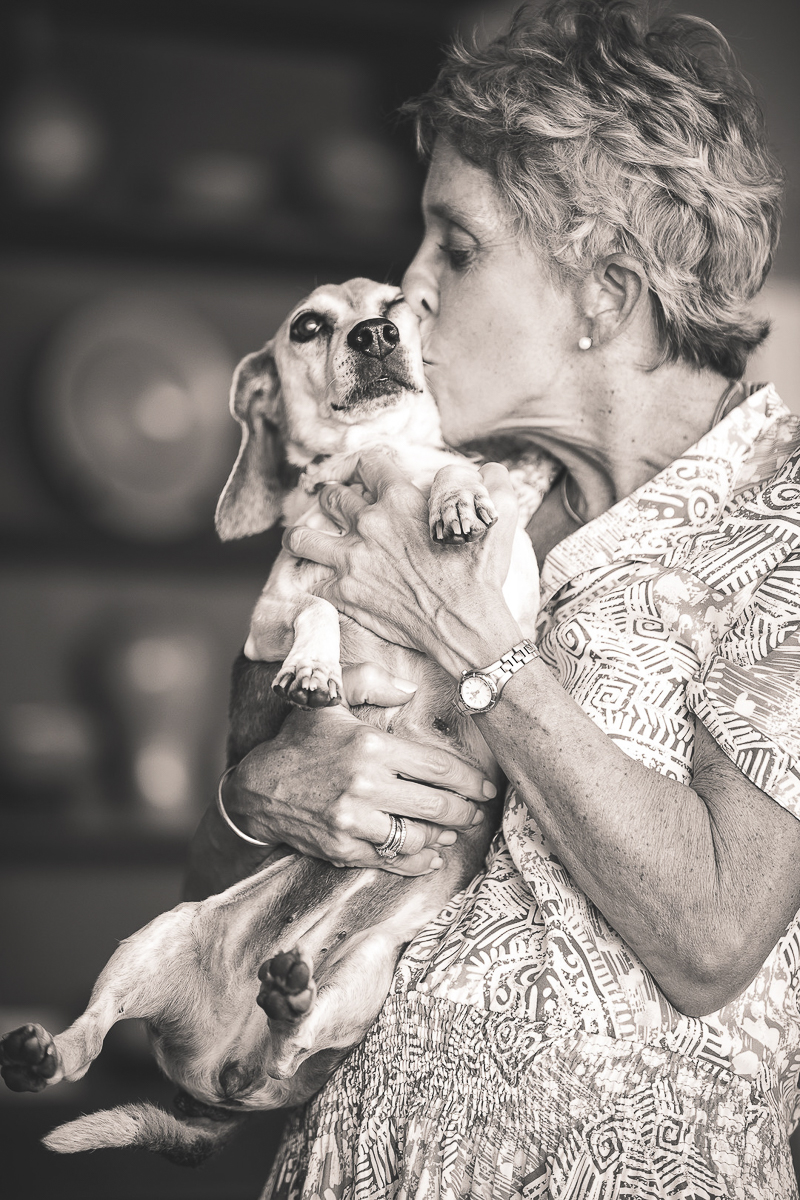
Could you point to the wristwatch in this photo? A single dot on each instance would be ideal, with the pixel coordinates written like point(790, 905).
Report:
point(478, 691)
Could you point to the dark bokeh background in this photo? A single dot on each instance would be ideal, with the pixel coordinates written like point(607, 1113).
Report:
point(174, 176)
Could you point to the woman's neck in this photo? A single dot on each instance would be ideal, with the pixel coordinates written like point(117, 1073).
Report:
point(620, 438)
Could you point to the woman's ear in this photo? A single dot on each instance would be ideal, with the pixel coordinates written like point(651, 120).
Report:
point(251, 499)
point(612, 295)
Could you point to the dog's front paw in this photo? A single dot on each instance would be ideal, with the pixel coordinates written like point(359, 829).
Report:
point(28, 1059)
point(461, 515)
point(287, 987)
point(310, 685)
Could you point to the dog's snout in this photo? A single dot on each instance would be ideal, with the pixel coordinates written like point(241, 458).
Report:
point(376, 337)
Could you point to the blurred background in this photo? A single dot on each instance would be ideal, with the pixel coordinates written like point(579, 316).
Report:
point(175, 175)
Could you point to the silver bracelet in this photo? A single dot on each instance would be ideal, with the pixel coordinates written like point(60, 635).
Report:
point(221, 810)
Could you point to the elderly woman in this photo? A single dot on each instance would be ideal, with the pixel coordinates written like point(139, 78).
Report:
point(612, 1007)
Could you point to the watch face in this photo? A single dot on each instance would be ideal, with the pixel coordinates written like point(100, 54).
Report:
point(476, 692)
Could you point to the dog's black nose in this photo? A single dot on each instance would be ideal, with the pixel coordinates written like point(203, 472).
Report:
point(376, 337)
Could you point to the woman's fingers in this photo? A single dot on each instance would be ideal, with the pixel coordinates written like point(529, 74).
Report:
point(423, 863)
point(342, 504)
point(370, 683)
point(435, 805)
point(435, 766)
point(420, 835)
point(312, 544)
point(378, 471)
point(498, 481)
point(420, 854)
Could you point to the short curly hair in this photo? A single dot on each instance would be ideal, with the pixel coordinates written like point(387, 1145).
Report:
point(605, 133)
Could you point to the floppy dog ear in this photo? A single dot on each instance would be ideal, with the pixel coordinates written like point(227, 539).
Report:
point(251, 499)
point(184, 1140)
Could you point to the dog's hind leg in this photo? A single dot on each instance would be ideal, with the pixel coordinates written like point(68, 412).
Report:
point(130, 985)
point(311, 675)
point(31, 1059)
point(350, 994)
point(287, 988)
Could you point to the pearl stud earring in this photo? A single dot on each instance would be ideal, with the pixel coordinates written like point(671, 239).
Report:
point(584, 343)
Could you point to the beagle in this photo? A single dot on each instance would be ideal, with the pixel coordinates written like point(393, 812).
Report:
point(253, 996)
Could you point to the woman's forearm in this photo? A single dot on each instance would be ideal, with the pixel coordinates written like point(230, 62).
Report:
point(693, 878)
point(678, 871)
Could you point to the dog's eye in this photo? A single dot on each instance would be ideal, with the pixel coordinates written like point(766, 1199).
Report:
point(306, 327)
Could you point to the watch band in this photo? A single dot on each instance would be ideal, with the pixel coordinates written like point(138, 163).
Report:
point(510, 662)
point(494, 677)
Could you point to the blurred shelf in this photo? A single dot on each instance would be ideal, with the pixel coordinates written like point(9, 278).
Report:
point(384, 53)
point(353, 24)
point(45, 838)
point(89, 549)
point(280, 243)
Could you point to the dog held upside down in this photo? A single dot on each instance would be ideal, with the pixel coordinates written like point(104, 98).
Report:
point(253, 996)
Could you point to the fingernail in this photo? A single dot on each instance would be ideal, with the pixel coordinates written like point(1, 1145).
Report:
point(403, 685)
point(436, 863)
point(477, 818)
point(447, 838)
point(489, 790)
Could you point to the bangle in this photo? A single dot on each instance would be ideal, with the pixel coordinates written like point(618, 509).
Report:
point(221, 810)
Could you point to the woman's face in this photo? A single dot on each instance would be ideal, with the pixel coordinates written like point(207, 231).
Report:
point(498, 334)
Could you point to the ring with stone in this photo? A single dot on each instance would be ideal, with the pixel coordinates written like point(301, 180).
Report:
point(393, 845)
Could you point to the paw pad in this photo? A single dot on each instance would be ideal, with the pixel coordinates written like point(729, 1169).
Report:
point(287, 987)
point(314, 686)
point(462, 518)
point(28, 1059)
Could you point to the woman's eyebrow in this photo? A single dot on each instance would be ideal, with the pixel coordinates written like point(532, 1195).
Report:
point(447, 212)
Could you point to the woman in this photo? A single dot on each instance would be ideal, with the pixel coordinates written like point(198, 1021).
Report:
point(611, 1008)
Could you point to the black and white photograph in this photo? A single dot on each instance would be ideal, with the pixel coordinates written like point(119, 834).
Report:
point(400, 600)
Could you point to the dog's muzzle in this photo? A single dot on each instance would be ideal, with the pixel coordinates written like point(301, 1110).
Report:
point(381, 369)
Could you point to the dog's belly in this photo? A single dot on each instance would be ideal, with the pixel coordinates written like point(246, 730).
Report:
point(431, 716)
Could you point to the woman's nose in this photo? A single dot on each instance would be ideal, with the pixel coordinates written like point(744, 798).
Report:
point(420, 289)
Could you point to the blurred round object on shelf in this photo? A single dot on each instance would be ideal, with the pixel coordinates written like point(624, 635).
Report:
point(156, 670)
point(47, 744)
point(359, 179)
point(222, 186)
point(131, 419)
point(52, 143)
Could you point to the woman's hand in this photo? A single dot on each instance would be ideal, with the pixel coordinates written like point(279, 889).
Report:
point(371, 683)
point(327, 784)
point(388, 574)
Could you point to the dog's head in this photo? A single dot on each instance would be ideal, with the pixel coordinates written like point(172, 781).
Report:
point(347, 359)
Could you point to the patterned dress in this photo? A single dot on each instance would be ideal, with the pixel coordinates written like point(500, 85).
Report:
point(524, 1051)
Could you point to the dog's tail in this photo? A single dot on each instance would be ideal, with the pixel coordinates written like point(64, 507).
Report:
point(184, 1141)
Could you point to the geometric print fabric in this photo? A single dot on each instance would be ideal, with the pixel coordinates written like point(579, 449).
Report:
point(523, 1050)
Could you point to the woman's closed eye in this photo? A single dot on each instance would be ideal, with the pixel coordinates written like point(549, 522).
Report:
point(459, 257)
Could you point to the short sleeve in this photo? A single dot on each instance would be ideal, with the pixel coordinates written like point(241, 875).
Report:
point(747, 693)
